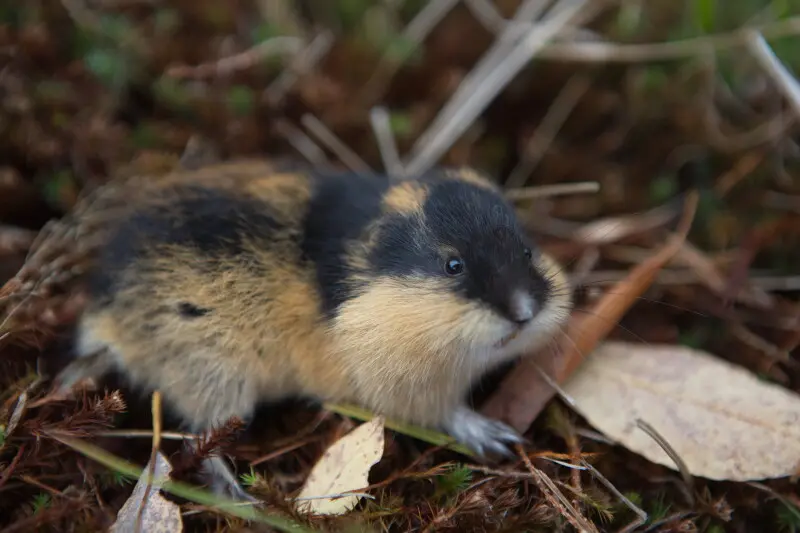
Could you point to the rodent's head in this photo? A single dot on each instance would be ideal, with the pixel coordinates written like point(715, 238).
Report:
point(448, 262)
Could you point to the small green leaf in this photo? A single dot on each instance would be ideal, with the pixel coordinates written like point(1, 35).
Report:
point(166, 20)
point(634, 497)
point(250, 478)
point(659, 509)
point(663, 188)
point(171, 93)
point(241, 100)
point(40, 502)
point(351, 12)
point(629, 18)
point(55, 184)
point(401, 49)
point(116, 27)
point(400, 123)
point(705, 14)
point(264, 32)
point(109, 66)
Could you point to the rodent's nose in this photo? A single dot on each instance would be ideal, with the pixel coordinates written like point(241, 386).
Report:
point(522, 307)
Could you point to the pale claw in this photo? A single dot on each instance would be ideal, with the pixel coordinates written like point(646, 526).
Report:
point(223, 481)
point(483, 435)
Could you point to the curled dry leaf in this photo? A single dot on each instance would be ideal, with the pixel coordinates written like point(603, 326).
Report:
point(343, 468)
point(721, 420)
point(159, 515)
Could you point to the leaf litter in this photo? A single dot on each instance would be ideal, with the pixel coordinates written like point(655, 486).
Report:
point(723, 421)
point(147, 509)
point(70, 129)
point(342, 469)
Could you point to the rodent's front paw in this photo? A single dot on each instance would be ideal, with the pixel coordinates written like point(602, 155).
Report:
point(483, 435)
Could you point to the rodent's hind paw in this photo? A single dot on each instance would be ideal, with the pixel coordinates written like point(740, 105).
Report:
point(81, 369)
point(223, 482)
point(483, 435)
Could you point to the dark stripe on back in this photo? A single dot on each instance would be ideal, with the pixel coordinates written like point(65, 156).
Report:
point(342, 206)
point(212, 222)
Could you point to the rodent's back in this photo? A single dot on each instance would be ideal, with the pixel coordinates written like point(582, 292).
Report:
point(219, 284)
point(237, 283)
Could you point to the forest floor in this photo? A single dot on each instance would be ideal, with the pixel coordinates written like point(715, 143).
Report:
point(646, 101)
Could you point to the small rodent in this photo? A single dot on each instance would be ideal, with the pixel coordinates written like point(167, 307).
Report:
point(235, 283)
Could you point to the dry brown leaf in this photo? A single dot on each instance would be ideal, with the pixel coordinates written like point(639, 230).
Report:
point(343, 468)
point(159, 514)
point(721, 420)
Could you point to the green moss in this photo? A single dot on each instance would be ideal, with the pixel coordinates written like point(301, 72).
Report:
point(241, 100)
point(109, 66)
point(787, 517)
point(146, 136)
point(452, 483)
point(400, 123)
point(40, 502)
point(705, 15)
point(166, 20)
point(172, 94)
point(663, 188)
point(350, 13)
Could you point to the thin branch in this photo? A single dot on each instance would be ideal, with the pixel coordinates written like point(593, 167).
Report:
point(461, 110)
point(301, 64)
point(302, 143)
point(610, 486)
point(379, 118)
point(334, 143)
point(783, 78)
point(548, 191)
point(487, 14)
point(552, 122)
point(555, 497)
point(670, 451)
point(243, 60)
point(598, 52)
point(415, 33)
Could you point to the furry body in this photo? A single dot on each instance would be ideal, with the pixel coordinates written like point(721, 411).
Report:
point(236, 284)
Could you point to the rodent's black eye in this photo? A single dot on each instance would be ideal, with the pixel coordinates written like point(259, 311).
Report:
point(529, 253)
point(454, 266)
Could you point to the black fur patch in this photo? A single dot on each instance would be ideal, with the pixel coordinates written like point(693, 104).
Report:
point(481, 226)
point(341, 207)
point(189, 310)
point(208, 220)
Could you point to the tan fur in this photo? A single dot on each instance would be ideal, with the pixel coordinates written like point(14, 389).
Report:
point(262, 335)
point(405, 347)
point(408, 359)
point(406, 198)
